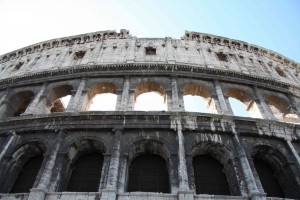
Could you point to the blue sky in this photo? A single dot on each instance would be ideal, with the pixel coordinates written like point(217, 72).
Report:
point(273, 24)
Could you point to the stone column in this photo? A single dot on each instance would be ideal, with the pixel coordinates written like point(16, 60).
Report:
point(57, 182)
point(175, 96)
point(104, 172)
point(39, 192)
point(4, 96)
point(184, 192)
point(189, 165)
point(265, 109)
point(130, 45)
point(226, 97)
point(35, 106)
point(168, 99)
point(216, 103)
point(110, 192)
point(221, 99)
point(170, 51)
point(294, 105)
point(75, 99)
point(9, 140)
point(131, 100)
point(7, 109)
point(207, 58)
point(248, 175)
point(122, 105)
point(122, 173)
point(294, 152)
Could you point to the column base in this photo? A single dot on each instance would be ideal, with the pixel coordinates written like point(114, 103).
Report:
point(37, 194)
point(108, 194)
point(258, 196)
point(186, 195)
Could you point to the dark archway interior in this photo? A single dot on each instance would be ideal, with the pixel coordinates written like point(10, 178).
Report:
point(267, 178)
point(86, 174)
point(148, 173)
point(272, 166)
point(28, 175)
point(19, 102)
point(209, 176)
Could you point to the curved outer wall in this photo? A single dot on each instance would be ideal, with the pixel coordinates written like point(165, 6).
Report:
point(213, 67)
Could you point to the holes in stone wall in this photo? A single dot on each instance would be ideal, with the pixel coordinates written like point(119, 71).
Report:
point(19, 65)
point(242, 59)
point(280, 72)
point(222, 57)
point(150, 50)
point(79, 55)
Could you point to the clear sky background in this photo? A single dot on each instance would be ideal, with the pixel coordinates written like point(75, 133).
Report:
point(273, 24)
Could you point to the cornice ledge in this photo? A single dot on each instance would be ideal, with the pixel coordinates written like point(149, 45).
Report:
point(140, 66)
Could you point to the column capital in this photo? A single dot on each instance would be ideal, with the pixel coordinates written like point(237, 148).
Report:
point(126, 76)
point(73, 92)
point(118, 128)
point(85, 90)
point(174, 76)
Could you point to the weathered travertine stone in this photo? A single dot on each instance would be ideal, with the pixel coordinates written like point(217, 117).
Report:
point(35, 78)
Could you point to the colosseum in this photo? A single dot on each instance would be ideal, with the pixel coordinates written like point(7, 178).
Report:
point(57, 149)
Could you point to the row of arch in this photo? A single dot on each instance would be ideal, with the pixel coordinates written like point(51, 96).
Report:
point(151, 95)
point(214, 169)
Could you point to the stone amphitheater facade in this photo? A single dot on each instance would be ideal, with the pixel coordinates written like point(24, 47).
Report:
point(53, 152)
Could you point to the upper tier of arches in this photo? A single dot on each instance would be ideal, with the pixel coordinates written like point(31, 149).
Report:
point(141, 93)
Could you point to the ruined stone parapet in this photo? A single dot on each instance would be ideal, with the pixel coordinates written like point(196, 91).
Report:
point(196, 50)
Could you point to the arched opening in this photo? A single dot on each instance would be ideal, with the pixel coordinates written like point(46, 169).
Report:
point(280, 108)
point(102, 97)
point(238, 107)
point(18, 103)
point(28, 175)
point(82, 167)
point(148, 173)
point(222, 161)
point(103, 102)
point(242, 104)
point(209, 176)
point(267, 178)
point(86, 174)
point(21, 170)
point(150, 96)
point(59, 98)
point(275, 172)
point(198, 99)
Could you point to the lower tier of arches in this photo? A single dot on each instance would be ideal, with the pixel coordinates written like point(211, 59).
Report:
point(120, 162)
